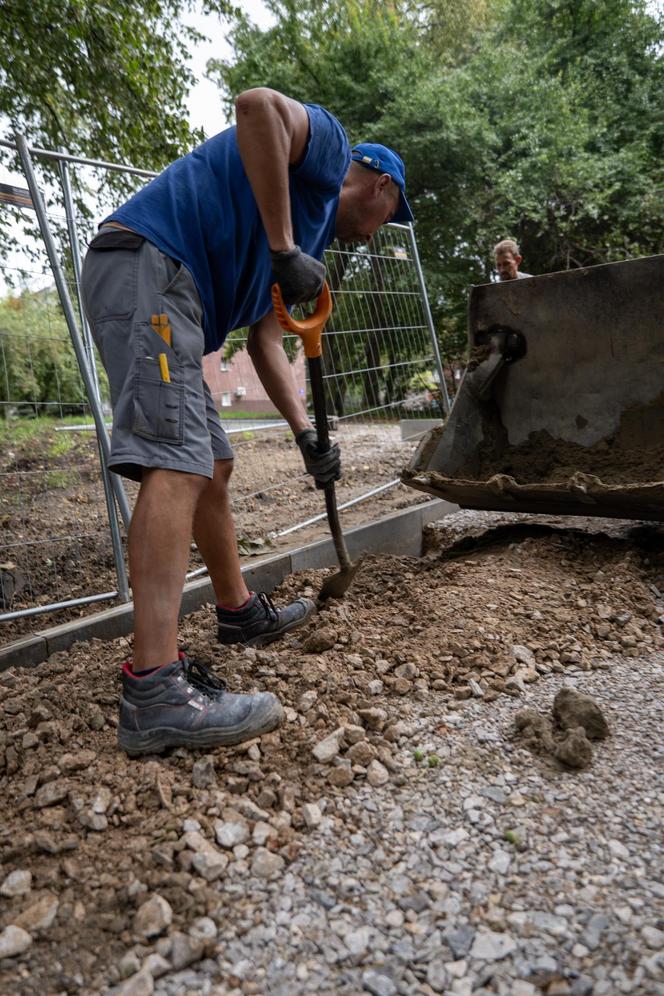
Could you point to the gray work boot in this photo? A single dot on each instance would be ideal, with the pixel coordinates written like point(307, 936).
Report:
point(260, 622)
point(184, 705)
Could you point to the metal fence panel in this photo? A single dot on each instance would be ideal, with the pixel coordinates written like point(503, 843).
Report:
point(381, 364)
point(45, 559)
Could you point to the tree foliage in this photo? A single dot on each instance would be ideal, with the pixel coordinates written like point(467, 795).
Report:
point(536, 119)
point(38, 368)
point(105, 80)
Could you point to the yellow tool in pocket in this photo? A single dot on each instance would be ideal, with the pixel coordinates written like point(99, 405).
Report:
point(163, 367)
point(161, 326)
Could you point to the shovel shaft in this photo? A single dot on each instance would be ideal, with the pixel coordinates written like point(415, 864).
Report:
point(310, 331)
point(323, 433)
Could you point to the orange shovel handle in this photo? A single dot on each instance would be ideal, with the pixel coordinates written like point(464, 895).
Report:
point(310, 330)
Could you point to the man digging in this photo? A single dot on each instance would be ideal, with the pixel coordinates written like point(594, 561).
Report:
point(188, 259)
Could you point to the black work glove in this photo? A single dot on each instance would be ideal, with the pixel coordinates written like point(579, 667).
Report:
point(299, 276)
point(323, 467)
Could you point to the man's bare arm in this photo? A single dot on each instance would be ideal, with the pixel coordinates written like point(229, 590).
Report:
point(272, 132)
point(265, 348)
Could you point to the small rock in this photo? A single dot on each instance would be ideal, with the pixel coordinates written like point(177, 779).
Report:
point(40, 915)
point(153, 917)
point(129, 964)
point(490, 946)
point(184, 950)
point(354, 733)
point(311, 815)
point(45, 841)
point(231, 832)
point(618, 850)
point(357, 941)
point(361, 753)
point(203, 929)
point(266, 864)
point(407, 670)
point(91, 820)
point(262, 832)
point(307, 701)
point(17, 883)
point(156, 965)
point(653, 937)
point(327, 749)
point(141, 984)
point(377, 774)
point(320, 640)
point(203, 774)
point(459, 940)
point(500, 862)
point(374, 719)
point(210, 864)
point(82, 759)
point(523, 655)
point(51, 793)
point(377, 984)
point(102, 800)
point(14, 941)
point(437, 975)
point(340, 776)
point(595, 927)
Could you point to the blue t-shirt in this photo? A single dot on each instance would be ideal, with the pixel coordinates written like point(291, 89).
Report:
point(201, 211)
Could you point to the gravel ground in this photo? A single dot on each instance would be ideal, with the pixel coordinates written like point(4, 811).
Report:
point(492, 872)
point(394, 836)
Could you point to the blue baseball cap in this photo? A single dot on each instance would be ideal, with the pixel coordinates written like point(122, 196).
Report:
point(384, 160)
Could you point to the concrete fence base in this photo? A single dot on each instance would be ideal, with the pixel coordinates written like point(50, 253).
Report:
point(400, 533)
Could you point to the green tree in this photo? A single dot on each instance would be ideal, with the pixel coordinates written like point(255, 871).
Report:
point(105, 80)
point(538, 119)
point(38, 367)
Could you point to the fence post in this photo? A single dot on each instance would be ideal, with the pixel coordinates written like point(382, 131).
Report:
point(79, 349)
point(427, 312)
point(63, 167)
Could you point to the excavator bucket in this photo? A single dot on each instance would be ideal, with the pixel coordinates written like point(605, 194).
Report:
point(561, 408)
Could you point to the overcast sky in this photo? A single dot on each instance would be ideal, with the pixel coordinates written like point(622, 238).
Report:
point(204, 102)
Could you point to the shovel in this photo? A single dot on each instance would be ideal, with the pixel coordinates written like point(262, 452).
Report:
point(310, 330)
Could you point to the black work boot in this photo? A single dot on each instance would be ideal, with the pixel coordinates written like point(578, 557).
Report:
point(259, 622)
point(184, 705)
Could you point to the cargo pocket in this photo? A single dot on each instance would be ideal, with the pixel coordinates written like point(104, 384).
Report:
point(110, 276)
point(159, 411)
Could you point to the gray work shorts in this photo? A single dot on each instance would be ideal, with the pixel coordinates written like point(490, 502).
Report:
point(163, 413)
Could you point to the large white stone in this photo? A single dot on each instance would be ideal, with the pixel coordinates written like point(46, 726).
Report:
point(14, 941)
point(17, 883)
point(327, 749)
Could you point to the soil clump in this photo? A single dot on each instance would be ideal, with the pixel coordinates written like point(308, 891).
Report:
point(575, 720)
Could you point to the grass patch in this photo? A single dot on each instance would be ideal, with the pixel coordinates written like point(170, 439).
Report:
point(237, 413)
point(17, 431)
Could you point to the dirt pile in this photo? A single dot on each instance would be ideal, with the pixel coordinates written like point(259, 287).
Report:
point(54, 529)
point(541, 458)
point(91, 836)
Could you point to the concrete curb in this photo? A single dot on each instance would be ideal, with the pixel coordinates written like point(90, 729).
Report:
point(400, 533)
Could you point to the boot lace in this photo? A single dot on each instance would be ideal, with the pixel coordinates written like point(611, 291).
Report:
point(203, 679)
point(268, 605)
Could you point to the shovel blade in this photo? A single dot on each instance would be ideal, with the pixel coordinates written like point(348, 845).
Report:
point(338, 583)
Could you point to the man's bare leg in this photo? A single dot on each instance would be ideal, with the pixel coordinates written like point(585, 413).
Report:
point(258, 622)
point(214, 533)
point(159, 547)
